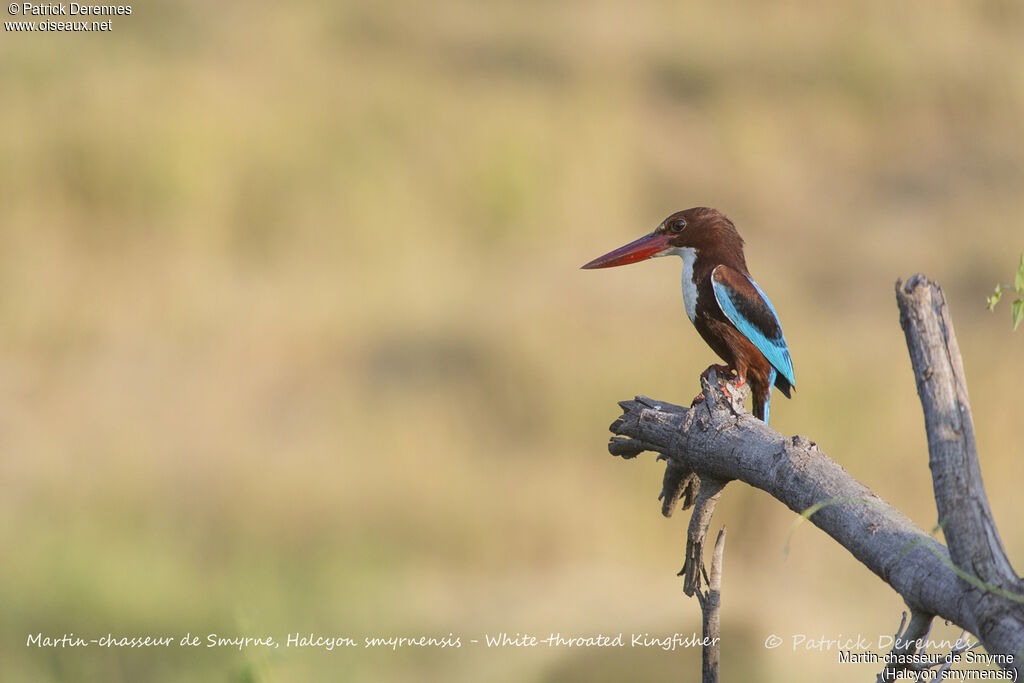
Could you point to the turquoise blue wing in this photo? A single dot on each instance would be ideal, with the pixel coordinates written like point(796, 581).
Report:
point(747, 307)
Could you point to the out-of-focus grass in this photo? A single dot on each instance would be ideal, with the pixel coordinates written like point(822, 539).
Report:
point(293, 335)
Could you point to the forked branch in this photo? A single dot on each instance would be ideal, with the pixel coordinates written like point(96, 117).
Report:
point(718, 441)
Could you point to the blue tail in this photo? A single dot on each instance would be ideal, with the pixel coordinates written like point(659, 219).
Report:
point(768, 397)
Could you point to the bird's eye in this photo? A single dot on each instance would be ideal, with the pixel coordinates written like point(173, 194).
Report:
point(677, 225)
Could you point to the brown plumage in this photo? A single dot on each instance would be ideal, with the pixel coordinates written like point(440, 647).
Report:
point(729, 310)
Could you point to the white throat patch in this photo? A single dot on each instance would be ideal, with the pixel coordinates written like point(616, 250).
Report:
point(689, 255)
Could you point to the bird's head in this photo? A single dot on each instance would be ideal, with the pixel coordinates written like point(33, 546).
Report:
point(698, 228)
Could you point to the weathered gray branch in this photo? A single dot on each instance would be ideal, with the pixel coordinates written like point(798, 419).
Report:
point(964, 514)
point(905, 643)
point(707, 497)
point(710, 609)
point(717, 439)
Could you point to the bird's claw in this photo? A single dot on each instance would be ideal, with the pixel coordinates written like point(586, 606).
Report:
point(721, 369)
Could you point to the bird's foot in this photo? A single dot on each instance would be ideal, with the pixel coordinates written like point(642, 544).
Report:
point(700, 397)
point(721, 369)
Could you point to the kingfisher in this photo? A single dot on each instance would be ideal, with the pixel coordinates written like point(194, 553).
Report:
point(729, 310)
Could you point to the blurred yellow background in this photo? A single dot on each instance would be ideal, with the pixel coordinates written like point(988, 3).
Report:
point(294, 337)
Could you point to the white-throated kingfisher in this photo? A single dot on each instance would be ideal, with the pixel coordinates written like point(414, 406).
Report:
point(729, 310)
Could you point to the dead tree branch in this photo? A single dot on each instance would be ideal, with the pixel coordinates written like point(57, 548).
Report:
point(986, 577)
point(696, 534)
point(717, 440)
point(906, 643)
point(710, 609)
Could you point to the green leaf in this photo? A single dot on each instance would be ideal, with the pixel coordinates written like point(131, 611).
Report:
point(1019, 282)
point(1018, 312)
point(994, 299)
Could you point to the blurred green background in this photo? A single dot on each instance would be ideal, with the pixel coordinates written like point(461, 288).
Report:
point(294, 337)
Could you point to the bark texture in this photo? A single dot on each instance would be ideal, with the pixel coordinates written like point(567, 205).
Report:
point(971, 583)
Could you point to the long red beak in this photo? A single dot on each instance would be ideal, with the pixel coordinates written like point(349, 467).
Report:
point(639, 250)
